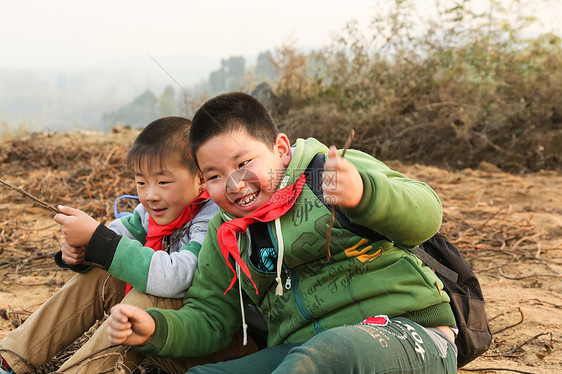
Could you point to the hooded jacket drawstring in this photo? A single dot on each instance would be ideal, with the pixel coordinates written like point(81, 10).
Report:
point(278, 289)
point(242, 311)
point(281, 250)
point(244, 325)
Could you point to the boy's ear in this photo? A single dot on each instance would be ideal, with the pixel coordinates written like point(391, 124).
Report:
point(202, 185)
point(283, 148)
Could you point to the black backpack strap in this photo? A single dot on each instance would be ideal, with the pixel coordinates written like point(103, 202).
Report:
point(314, 181)
point(434, 264)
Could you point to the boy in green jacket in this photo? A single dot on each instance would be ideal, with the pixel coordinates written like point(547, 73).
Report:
point(151, 253)
point(367, 306)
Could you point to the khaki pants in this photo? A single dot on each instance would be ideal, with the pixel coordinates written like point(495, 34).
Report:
point(73, 310)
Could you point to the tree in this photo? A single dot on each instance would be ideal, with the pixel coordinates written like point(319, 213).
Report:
point(265, 69)
point(168, 105)
point(138, 113)
point(230, 75)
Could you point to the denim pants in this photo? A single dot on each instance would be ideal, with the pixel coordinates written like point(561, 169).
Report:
point(401, 346)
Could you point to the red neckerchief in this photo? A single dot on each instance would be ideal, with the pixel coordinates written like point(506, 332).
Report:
point(156, 232)
point(277, 205)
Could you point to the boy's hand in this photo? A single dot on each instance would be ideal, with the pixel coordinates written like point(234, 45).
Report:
point(130, 325)
point(341, 182)
point(77, 227)
point(72, 255)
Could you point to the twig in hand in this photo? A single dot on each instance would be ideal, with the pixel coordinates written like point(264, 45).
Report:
point(44, 204)
point(333, 217)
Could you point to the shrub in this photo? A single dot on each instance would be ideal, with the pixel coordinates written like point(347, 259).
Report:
point(470, 88)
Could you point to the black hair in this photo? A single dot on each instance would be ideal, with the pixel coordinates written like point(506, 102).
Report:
point(229, 113)
point(163, 138)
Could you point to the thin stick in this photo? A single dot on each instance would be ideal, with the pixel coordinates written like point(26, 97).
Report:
point(497, 369)
point(333, 217)
point(510, 326)
point(44, 204)
point(527, 341)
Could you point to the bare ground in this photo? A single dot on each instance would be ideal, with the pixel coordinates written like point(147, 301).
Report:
point(508, 226)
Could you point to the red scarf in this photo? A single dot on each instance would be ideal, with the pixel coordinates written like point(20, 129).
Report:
point(277, 205)
point(156, 232)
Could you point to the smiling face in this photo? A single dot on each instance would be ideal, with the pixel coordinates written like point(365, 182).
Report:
point(166, 188)
point(241, 173)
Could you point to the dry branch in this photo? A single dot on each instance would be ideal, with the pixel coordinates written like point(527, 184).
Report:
point(497, 369)
point(44, 204)
point(528, 341)
point(510, 326)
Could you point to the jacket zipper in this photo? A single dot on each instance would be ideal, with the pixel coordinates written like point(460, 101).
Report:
point(298, 298)
point(288, 283)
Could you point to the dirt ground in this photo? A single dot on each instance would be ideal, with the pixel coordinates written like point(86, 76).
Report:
point(509, 227)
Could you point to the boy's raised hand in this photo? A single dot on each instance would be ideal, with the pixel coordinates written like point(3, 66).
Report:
point(130, 325)
point(72, 255)
point(341, 182)
point(77, 227)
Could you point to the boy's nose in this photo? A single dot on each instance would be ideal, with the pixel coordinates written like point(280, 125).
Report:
point(235, 182)
point(152, 194)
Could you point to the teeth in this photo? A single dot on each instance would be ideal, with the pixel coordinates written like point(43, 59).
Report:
point(248, 199)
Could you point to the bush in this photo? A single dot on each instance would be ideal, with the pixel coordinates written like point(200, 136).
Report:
point(471, 88)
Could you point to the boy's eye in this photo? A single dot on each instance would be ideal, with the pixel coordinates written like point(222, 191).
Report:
point(212, 177)
point(164, 182)
point(139, 183)
point(243, 163)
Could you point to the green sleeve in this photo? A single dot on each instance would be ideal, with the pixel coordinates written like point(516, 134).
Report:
point(193, 247)
point(133, 223)
point(406, 211)
point(121, 265)
point(208, 319)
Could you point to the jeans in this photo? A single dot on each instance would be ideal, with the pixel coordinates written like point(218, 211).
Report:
point(402, 346)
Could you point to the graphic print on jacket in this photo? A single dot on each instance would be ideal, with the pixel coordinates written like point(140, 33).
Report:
point(318, 285)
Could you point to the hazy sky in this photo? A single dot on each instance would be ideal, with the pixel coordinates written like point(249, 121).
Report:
point(78, 34)
point(73, 34)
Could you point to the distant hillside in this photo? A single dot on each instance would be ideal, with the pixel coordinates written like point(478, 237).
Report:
point(63, 100)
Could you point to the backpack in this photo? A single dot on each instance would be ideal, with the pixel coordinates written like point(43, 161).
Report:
point(467, 301)
point(460, 282)
point(116, 212)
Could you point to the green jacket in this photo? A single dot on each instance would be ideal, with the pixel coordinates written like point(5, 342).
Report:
point(362, 279)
